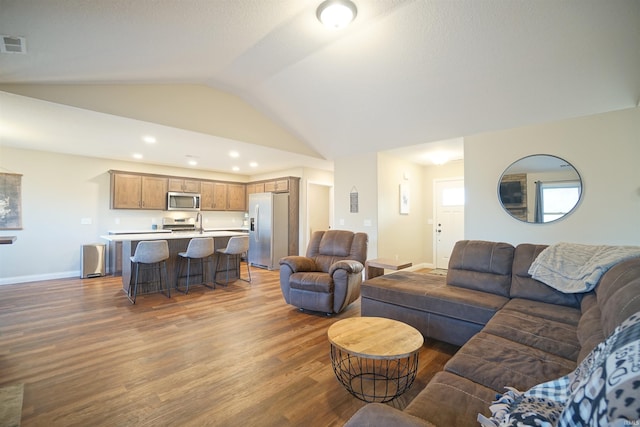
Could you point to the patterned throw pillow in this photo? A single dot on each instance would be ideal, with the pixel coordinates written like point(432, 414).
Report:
point(604, 390)
point(610, 394)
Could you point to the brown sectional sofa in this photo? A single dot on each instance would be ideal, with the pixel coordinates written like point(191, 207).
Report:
point(514, 331)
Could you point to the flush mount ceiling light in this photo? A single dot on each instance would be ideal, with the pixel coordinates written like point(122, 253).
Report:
point(336, 13)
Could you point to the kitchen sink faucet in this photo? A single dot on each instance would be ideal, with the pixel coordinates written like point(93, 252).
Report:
point(199, 218)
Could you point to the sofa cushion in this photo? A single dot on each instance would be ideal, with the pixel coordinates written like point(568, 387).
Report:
point(602, 390)
point(429, 293)
point(482, 266)
point(619, 294)
point(558, 313)
point(451, 400)
point(379, 414)
point(312, 281)
point(497, 362)
point(590, 327)
point(523, 286)
point(547, 335)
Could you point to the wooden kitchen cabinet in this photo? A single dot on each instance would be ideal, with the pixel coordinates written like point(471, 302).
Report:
point(236, 197)
point(219, 196)
point(277, 186)
point(185, 185)
point(131, 191)
point(255, 187)
point(222, 196)
point(206, 196)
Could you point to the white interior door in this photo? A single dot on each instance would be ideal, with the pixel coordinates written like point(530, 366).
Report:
point(449, 218)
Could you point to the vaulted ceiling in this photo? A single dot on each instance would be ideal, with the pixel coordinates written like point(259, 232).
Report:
point(404, 73)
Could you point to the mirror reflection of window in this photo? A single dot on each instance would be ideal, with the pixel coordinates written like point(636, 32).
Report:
point(558, 198)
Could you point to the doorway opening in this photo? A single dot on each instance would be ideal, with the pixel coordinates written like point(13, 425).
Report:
point(449, 218)
point(319, 210)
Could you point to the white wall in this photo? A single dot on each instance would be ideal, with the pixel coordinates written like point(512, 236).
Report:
point(604, 148)
point(60, 190)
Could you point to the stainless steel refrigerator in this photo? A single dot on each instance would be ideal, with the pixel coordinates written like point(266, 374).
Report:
point(268, 229)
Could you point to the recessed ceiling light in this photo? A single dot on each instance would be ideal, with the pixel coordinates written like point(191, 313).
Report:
point(137, 155)
point(234, 154)
point(235, 168)
point(149, 139)
point(193, 162)
point(336, 14)
point(253, 164)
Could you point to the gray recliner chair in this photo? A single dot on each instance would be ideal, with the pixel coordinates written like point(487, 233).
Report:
point(328, 279)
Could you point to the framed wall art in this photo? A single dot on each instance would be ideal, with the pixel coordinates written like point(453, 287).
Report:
point(10, 201)
point(404, 198)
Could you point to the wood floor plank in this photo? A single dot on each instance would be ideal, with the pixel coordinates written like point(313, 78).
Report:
point(233, 356)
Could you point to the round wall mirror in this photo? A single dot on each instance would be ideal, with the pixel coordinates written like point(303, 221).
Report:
point(540, 189)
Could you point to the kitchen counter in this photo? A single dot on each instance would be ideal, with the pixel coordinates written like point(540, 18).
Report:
point(122, 246)
point(168, 235)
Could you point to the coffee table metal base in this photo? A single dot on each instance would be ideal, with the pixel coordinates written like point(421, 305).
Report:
point(374, 380)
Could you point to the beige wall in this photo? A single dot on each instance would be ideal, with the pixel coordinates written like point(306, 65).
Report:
point(377, 178)
point(401, 236)
point(604, 148)
point(361, 173)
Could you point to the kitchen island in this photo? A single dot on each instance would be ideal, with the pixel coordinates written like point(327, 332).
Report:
point(122, 246)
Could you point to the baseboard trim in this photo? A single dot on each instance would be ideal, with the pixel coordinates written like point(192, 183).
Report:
point(39, 277)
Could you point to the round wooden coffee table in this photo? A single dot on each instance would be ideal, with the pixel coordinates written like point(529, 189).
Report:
point(375, 359)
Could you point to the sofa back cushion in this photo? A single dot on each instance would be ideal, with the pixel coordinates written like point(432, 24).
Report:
point(523, 286)
point(618, 294)
point(480, 265)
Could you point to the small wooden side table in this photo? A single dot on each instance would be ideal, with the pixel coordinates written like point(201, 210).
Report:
point(374, 358)
point(376, 267)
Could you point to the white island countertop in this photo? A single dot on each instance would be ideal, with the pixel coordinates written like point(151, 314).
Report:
point(172, 235)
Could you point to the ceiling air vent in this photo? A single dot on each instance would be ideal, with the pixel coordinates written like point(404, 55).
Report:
point(12, 44)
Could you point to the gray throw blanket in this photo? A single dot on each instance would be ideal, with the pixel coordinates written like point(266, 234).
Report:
point(575, 268)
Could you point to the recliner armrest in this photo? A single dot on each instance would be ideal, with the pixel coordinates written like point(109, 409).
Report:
point(299, 263)
point(351, 266)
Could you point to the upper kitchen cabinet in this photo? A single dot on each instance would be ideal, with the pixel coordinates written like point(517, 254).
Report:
point(236, 197)
point(132, 191)
point(222, 196)
point(277, 186)
point(184, 185)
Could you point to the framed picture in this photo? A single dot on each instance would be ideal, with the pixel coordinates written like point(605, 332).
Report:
point(404, 198)
point(10, 201)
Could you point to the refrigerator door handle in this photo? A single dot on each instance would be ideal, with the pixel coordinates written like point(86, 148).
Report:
point(256, 235)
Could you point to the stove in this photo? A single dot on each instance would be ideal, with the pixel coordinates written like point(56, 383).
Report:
point(179, 224)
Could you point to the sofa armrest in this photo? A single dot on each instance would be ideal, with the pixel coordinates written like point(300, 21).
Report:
point(378, 414)
point(351, 266)
point(299, 263)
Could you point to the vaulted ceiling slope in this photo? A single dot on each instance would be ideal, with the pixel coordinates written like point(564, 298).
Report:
point(405, 72)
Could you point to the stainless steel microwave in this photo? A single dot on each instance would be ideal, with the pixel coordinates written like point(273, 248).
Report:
point(183, 201)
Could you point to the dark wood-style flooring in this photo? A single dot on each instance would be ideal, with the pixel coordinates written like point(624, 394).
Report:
point(234, 356)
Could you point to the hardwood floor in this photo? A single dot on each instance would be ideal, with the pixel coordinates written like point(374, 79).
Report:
point(234, 356)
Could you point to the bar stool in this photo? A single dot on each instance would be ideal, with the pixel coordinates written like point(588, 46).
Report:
point(153, 254)
point(199, 248)
point(236, 246)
